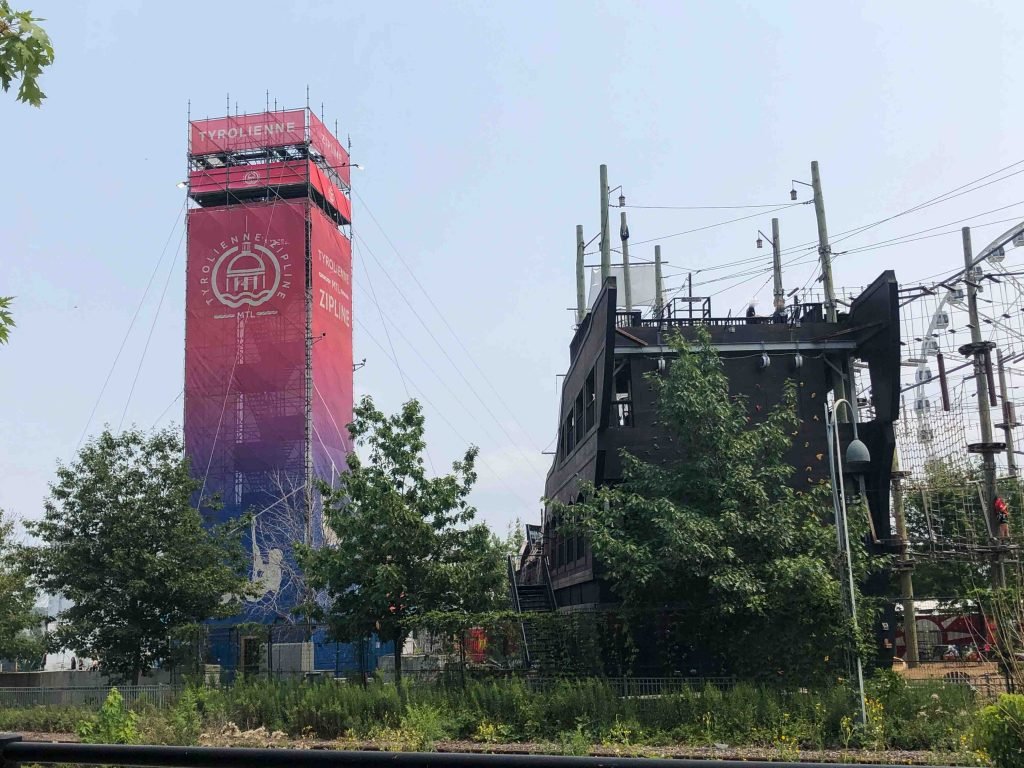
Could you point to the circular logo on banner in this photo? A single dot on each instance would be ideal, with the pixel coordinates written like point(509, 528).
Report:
point(249, 273)
point(251, 178)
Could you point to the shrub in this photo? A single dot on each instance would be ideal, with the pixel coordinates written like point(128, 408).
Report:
point(1000, 731)
point(926, 716)
point(112, 725)
point(424, 725)
point(491, 733)
point(42, 719)
point(576, 742)
point(185, 720)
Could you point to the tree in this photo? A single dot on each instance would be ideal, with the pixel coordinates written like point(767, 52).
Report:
point(407, 544)
point(6, 318)
point(18, 617)
point(717, 539)
point(25, 50)
point(123, 542)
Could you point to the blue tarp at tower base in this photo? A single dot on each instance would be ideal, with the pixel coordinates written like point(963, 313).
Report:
point(224, 648)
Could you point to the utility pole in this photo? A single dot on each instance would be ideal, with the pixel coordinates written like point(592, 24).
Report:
point(627, 285)
point(780, 295)
point(606, 246)
point(659, 298)
point(581, 297)
point(979, 350)
point(825, 254)
point(1009, 417)
point(905, 565)
point(824, 250)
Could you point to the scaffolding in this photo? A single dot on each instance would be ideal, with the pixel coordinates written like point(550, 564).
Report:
point(268, 367)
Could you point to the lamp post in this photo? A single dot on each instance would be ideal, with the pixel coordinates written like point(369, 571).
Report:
point(857, 458)
point(778, 293)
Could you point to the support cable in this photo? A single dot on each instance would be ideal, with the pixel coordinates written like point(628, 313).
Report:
point(152, 327)
point(444, 320)
point(128, 331)
point(448, 356)
point(444, 418)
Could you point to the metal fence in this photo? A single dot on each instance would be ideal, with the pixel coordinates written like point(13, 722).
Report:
point(154, 695)
point(14, 751)
point(640, 686)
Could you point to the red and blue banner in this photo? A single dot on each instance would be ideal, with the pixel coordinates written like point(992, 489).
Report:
point(331, 269)
point(245, 334)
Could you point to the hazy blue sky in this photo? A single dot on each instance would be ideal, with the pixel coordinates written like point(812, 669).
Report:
point(482, 126)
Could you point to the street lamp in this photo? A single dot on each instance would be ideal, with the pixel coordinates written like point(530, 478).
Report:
point(857, 459)
point(793, 183)
point(760, 242)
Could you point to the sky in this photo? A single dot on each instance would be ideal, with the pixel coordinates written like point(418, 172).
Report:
point(481, 127)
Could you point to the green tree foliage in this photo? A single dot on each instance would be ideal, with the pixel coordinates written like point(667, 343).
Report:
point(746, 566)
point(6, 318)
point(121, 540)
point(25, 50)
point(1000, 731)
point(18, 617)
point(408, 544)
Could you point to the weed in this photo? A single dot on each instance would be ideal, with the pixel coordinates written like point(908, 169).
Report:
point(113, 724)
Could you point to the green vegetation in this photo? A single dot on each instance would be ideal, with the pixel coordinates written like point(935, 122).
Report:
point(25, 50)
point(18, 617)
point(122, 541)
point(718, 536)
point(568, 716)
point(1000, 731)
point(6, 318)
point(113, 724)
point(410, 545)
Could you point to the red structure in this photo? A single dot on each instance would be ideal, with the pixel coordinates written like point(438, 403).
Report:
point(268, 331)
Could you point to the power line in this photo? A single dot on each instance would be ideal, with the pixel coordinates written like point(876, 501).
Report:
point(712, 226)
point(702, 207)
point(936, 200)
point(949, 195)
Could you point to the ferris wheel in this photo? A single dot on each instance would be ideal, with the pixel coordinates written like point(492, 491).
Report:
point(936, 323)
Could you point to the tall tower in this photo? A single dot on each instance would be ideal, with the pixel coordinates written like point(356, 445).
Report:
point(268, 333)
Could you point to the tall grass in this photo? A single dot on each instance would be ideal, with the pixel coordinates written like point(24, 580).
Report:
point(936, 717)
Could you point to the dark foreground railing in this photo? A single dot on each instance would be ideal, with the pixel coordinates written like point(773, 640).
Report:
point(14, 751)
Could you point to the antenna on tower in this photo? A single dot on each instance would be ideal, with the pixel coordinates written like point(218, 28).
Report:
point(307, 97)
point(227, 103)
point(322, 120)
point(268, 99)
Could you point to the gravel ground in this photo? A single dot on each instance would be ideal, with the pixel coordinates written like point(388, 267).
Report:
point(262, 738)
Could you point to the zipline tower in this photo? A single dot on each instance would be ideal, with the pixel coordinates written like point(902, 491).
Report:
point(268, 331)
